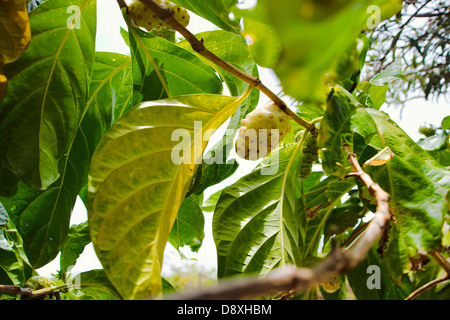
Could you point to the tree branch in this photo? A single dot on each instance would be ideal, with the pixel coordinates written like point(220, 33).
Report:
point(15, 290)
point(198, 46)
point(441, 261)
point(293, 279)
point(427, 286)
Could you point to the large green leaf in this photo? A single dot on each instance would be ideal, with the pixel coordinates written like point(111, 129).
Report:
point(336, 123)
point(217, 11)
point(315, 37)
point(258, 221)
point(370, 281)
point(42, 217)
point(47, 93)
point(260, 35)
point(162, 69)
point(130, 225)
point(416, 183)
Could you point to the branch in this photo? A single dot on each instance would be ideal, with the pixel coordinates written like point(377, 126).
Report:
point(198, 46)
point(292, 279)
point(15, 290)
point(427, 286)
point(441, 261)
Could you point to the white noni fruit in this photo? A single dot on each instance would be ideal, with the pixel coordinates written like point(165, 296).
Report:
point(143, 17)
point(261, 131)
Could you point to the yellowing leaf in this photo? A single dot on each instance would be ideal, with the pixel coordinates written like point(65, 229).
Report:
point(138, 178)
point(15, 35)
point(15, 31)
point(380, 158)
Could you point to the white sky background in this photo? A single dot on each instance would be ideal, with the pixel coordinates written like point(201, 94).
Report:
point(416, 113)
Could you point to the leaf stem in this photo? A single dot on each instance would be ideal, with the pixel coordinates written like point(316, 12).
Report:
point(199, 47)
point(146, 52)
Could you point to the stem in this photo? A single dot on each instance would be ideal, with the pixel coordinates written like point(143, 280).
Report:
point(427, 286)
point(441, 261)
point(198, 46)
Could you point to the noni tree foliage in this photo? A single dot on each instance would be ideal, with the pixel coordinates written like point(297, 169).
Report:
point(127, 134)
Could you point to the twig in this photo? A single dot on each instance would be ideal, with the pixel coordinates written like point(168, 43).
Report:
point(427, 286)
point(198, 46)
point(292, 279)
point(441, 261)
point(444, 265)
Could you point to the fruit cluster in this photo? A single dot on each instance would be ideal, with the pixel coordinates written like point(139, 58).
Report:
point(143, 17)
point(261, 131)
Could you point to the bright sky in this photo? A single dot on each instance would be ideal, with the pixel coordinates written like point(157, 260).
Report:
point(416, 113)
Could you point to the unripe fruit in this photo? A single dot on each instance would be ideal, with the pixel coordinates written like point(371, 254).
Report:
point(143, 17)
point(309, 155)
point(332, 285)
point(261, 131)
point(427, 131)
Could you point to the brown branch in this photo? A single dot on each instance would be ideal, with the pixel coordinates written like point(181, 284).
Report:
point(292, 279)
point(427, 286)
point(199, 47)
point(444, 265)
point(441, 261)
point(15, 290)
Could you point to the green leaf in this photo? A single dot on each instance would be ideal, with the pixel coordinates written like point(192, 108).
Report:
point(391, 73)
point(217, 11)
point(335, 124)
point(434, 143)
point(42, 217)
point(442, 156)
point(130, 225)
point(111, 88)
point(210, 204)
point(446, 123)
point(369, 280)
point(260, 35)
point(231, 48)
point(314, 37)
point(371, 95)
point(14, 266)
point(47, 92)
point(416, 183)
point(258, 221)
point(320, 202)
point(162, 69)
point(77, 240)
point(188, 228)
point(94, 286)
